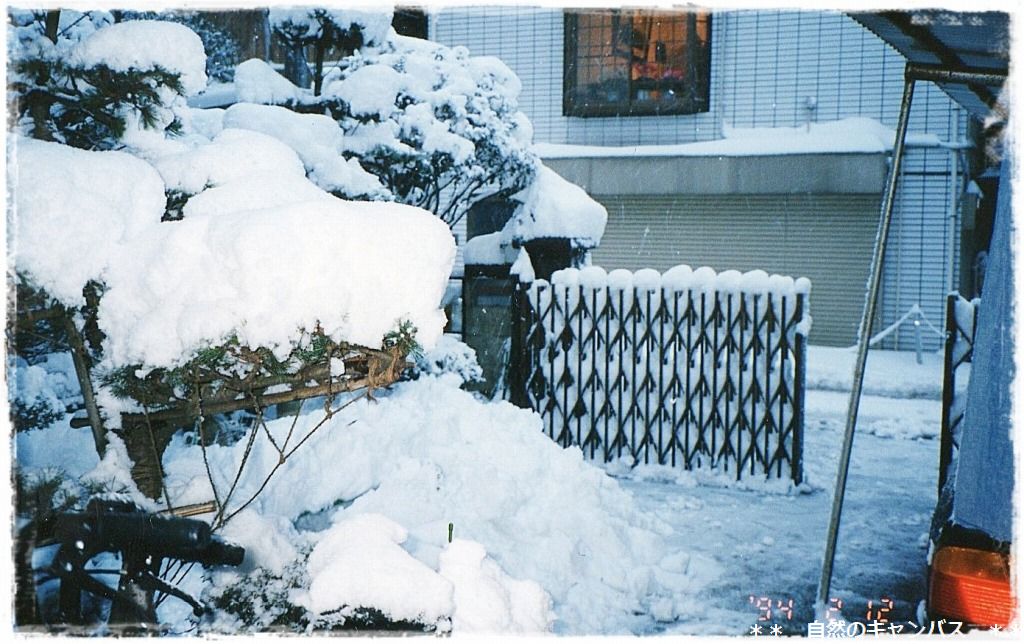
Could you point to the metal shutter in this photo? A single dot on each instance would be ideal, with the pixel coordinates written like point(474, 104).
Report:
point(826, 238)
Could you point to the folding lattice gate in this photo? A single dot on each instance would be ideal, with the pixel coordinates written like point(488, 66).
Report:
point(694, 378)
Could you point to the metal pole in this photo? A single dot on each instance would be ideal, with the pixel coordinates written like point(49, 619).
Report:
point(864, 335)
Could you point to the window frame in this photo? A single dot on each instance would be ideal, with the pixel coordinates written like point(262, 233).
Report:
point(628, 107)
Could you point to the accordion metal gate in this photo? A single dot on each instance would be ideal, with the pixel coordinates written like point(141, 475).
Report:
point(688, 377)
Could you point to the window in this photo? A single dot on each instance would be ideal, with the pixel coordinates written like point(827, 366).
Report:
point(632, 63)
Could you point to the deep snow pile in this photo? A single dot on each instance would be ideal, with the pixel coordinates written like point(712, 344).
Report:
point(73, 209)
point(260, 270)
point(400, 470)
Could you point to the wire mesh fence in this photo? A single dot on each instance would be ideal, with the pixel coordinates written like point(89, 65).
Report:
point(694, 377)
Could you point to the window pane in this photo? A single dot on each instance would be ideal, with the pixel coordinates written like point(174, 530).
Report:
point(636, 62)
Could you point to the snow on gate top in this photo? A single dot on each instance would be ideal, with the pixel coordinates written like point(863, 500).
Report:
point(681, 278)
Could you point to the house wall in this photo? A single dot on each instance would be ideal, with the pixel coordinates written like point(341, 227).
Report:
point(765, 66)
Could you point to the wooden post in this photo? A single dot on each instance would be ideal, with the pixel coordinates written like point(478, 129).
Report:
point(82, 366)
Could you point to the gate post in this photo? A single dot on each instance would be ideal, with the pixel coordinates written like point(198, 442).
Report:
point(800, 377)
point(519, 351)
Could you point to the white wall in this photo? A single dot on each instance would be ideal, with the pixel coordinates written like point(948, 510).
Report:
point(764, 66)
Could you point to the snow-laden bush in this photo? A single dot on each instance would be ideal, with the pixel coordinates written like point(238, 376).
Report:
point(450, 355)
point(222, 53)
point(88, 83)
point(202, 271)
point(438, 128)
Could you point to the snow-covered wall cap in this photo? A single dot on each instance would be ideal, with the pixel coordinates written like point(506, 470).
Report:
point(488, 250)
point(850, 135)
point(258, 82)
point(523, 267)
point(681, 278)
point(552, 207)
point(144, 45)
point(72, 210)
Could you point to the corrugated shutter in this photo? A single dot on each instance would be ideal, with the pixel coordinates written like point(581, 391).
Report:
point(826, 238)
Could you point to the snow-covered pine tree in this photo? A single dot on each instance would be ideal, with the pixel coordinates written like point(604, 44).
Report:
point(78, 95)
point(222, 52)
point(327, 30)
point(439, 129)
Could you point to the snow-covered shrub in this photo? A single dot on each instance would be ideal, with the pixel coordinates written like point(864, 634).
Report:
point(450, 355)
point(439, 129)
point(41, 393)
point(221, 48)
point(263, 280)
point(324, 29)
point(89, 87)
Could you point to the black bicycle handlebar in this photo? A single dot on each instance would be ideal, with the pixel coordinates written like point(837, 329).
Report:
point(119, 526)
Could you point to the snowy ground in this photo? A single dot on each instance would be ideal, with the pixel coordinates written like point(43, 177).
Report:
point(758, 541)
point(770, 545)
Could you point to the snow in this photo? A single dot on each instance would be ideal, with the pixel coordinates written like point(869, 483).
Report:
point(523, 267)
point(888, 373)
point(233, 154)
point(429, 454)
point(254, 192)
point(258, 82)
point(372, 89)
point(205, 122)
point(554, 207)
point(486, 599)
point(261, 262)
point(318, 141)
point(264, 274)
point(72, 211)
point(374, 24)
point(144, 45)
point(488, 250)
point(849, 135)
point(50, 382)
point(681, 278)
point(57, 446)
point(360, 562)
point(450, 355)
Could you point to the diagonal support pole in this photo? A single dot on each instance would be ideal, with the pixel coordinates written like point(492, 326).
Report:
point(863, 339)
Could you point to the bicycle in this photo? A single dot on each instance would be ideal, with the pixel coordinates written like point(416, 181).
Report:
point(84, 544)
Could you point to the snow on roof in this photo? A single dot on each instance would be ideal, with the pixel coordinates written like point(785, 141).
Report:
point(72, 210)
point(144, 45)
point(850, 135)
point(553, 207)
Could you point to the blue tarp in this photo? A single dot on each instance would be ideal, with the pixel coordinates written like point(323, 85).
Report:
point(983, 496)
